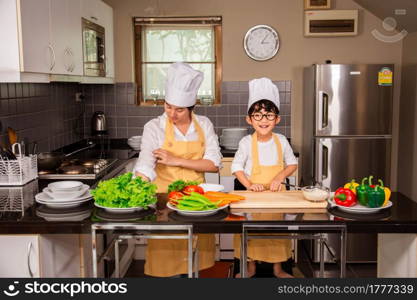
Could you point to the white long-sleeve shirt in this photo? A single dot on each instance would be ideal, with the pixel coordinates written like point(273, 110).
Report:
point(268, 155)
point(154, 135)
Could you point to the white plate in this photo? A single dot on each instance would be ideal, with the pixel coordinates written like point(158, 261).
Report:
point(44, 197)
point(121, 210)
point(55, 204)
point(63, 196)
point(64, 217)
point(196, 213)
point(359, 209)
point(211, 187)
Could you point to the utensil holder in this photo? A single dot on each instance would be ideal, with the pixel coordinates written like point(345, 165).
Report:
point(19, 171)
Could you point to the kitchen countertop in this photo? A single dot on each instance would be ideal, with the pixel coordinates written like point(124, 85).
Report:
point(34, 218)
point(29, 217)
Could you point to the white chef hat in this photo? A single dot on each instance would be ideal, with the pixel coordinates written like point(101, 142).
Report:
point(182, 84)
point(262, 88)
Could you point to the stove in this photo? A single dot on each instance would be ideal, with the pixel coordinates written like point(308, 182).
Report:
point(79, 169)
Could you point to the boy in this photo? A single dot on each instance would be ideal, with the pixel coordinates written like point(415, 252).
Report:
point(263, 161)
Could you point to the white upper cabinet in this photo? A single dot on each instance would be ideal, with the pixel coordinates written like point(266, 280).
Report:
point(38, 54)
point(66, 39)
point(42, 40)
point(92, 11)
point(25, 50)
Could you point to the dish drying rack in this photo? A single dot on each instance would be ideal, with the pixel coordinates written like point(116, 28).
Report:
point(18, 171)
point(12, 199)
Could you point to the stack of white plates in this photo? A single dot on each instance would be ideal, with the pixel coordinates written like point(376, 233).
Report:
point(134, 142)
point(231, 137)
point(64, 194)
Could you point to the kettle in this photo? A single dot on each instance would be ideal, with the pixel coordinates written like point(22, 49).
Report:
point(98, 123)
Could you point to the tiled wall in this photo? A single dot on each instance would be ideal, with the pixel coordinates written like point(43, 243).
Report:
point(125, 118)
point(46, 113)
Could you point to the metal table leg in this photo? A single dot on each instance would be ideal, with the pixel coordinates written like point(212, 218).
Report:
point(294, 228)
point(192, 251)
point(321, 244)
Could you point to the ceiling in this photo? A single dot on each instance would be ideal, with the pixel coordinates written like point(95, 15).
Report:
point(387, 8)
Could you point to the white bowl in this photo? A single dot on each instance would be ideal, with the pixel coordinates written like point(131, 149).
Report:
point(65, 186)
point(135, 138)
point(66, 195)
point(316, 193)
point(135, 146)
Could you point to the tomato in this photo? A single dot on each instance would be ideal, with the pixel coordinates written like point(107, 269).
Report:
point(175, 195)
point(193, 188)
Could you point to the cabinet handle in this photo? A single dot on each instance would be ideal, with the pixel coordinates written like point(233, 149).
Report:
point(72, 64)
point(53, 56)
point(28, 259)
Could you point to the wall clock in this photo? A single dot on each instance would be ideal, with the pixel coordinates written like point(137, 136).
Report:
point(261, 42)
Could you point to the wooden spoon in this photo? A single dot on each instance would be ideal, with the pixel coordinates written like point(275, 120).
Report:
point(12, 135)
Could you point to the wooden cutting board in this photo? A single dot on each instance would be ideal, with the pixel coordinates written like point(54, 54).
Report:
point(288, 199)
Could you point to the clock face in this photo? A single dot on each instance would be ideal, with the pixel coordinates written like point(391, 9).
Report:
point(261, 42)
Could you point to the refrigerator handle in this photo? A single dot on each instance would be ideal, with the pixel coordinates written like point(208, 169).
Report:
point(325, 110)
point(325, 161)
point(322, 163)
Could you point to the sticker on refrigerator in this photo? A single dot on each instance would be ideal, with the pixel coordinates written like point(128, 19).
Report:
point(385, 77)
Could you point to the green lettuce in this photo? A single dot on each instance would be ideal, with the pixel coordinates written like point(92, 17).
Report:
point(124, 192)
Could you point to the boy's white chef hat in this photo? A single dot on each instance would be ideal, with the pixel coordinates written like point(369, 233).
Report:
point(182, 85)
point(262, 88)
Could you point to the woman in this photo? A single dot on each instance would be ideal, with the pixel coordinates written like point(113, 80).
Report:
point(178, 145)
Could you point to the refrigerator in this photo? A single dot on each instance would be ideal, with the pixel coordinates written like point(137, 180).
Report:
point(347, 127)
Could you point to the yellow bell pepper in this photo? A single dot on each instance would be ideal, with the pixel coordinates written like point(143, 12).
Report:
point(387, 192)
point(352, 186)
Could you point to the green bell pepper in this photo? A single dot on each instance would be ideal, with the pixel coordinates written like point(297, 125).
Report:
point(362, 192)
point(376, 197)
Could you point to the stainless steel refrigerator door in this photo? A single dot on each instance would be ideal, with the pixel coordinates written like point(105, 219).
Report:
point(338, 160)
point(349, 101)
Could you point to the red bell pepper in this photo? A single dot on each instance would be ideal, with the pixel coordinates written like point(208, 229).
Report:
point(345, 197)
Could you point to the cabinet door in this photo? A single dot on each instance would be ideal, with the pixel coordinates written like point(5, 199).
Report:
point(38, 55)
point(59, 35)
point(66, 38)
point(75, 39)
point(107, 16)
point(20, 256)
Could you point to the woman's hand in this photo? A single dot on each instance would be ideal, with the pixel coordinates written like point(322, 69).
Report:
point(276, 185)
point(167, 158)
point(256, 187)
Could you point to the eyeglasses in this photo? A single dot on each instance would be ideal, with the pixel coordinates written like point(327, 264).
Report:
point(268, 116)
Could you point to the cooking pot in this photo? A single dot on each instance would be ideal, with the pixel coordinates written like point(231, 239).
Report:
point(52, 160)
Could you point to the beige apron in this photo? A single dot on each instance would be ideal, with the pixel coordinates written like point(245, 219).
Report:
point(166, 258)
point(272, 251)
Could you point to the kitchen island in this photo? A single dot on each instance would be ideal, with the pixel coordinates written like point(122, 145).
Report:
point(35, 219)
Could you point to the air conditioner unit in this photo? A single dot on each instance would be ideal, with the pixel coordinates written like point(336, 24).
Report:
point(331, 23)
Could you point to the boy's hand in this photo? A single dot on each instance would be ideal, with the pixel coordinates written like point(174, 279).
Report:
point(276, 185)
point(256, 187)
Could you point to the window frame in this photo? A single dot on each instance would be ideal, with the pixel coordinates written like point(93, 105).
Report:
point(138, 23)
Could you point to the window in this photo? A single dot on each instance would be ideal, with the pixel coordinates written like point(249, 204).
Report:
point(160, 42)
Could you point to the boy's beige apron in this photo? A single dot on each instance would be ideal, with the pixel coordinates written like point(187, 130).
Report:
point(271, 251)
point(166, 258)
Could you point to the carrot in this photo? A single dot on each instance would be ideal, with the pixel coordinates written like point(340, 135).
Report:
point(223, 195)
